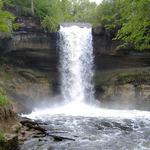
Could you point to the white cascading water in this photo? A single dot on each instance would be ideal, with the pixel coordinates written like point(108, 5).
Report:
point(76, 60)
point(76, 63)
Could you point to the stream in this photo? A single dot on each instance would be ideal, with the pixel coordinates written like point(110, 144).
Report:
point(82, 123)
point(91, 133)
point(88, 128)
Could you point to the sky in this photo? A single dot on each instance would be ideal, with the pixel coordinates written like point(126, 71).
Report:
point(97, 1)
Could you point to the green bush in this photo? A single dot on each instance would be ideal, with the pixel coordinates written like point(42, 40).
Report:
point(3, 98)
point(130, 18)
point(2, 138)
point(6, 19)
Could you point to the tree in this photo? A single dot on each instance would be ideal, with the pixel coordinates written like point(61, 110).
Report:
point(54, 12)
point(136, 29)
point(6, 19)
point(52, 16)
point(84, 11)
point(67, 10)
point(131, 19)
point(32, 7)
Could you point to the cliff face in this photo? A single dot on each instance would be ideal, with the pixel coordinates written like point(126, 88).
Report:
point(33, 50)
point(108, 56)
point(124, 88)
point(36, 49)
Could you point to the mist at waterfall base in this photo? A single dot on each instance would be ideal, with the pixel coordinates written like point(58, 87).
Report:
point(79, 117)
point(76, 70)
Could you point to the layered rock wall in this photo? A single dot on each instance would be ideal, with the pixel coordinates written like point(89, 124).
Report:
point(37, 49)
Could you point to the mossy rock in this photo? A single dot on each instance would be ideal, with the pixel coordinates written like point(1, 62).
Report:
point(123, 76)
point(133, 77)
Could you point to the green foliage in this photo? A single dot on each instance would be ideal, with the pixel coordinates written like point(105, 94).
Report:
point(3, 98)
point(2, 137)
point(54, 12)
point(5, 19)
point(9, 2)
point(136, 29)
point(125, 76)
point(109, 13)
point(53, 16)
point(130, 17)
point(23, 7)
point(85, 11)
point(68, 11)
point(50, 23)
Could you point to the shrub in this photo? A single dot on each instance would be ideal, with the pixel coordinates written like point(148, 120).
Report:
point(3, 98)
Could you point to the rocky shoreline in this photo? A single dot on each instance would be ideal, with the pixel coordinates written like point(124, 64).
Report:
point(24, 129)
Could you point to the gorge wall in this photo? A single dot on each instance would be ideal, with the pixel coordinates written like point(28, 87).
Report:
point(38, 49)
point(31, 48)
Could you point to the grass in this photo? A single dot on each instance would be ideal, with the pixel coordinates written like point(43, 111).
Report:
point(2, 137)
point(3, 98)
point(136, 76)
point(122, 76)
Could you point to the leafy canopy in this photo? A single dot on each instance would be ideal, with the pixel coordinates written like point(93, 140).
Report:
point(131, 18)
point(54, 12)
point(136, 28)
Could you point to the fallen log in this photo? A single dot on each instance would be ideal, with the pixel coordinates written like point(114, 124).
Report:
point(27, 121)
point(60, 138)
point(32, 125)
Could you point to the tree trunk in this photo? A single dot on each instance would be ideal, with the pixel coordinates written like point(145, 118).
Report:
point(32, 7)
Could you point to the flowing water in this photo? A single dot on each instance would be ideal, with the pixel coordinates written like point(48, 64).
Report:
point(76, 60)
point(87, 126)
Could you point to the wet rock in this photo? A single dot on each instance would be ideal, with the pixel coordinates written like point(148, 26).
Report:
point(98, 30)
point(106, 124)
point(30, 129)
point(122, 126)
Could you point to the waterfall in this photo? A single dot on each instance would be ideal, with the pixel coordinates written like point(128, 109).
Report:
point(77, 116)
point(76, 62)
